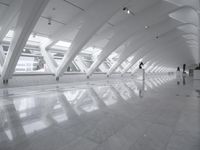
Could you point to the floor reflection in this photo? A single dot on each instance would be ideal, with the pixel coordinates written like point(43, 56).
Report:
point(26, 117)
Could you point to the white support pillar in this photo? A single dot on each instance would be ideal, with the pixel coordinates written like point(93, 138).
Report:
point(124, 32)
point(2, 55)
point(168, 38)
point(94, 19)
point(51, 63)
point(8, 16)
point(146, 37)
point(134, 60)
point(150, 67)
point(153, 70)
point(79, 61)
point(28, 17)
point(5, 23)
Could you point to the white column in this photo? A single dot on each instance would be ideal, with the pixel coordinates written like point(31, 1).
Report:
point(8, 16)
point(94, 19)
point(51, 63)
point(28, 17)
point(147, 37)
point(124, 32)
point(137, 56)
point(5, 23)
point(2, 55)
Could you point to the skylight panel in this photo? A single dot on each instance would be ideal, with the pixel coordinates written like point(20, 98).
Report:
point(63, 44)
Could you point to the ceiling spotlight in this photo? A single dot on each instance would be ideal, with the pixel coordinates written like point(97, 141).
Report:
point(49, 21)
point(34, 35)
point(125, 9)
point(146, 27)
point(157, 36)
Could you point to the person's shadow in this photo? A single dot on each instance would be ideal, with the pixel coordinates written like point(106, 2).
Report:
point(198, 91)
point(184, 81)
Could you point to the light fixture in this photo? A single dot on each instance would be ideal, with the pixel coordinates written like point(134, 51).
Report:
point(125, 9)
point(146, 27)
point(34, 35)
point(157, 36)
point(49, 21)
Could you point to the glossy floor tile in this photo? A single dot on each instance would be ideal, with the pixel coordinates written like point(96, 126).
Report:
point(159, 113)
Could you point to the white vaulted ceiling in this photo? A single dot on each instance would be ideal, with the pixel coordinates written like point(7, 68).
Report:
point(165, 31)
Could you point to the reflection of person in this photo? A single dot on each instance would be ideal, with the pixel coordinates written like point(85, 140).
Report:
point(141, 90)
point(178, 75)
point(184, 80)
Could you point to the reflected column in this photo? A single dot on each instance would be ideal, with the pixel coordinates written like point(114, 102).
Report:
point(4, 140)
point(96, 98)
point(14, 122)
point(70, 112)
point(129, 90)
point(116, 93)
point(46, 115)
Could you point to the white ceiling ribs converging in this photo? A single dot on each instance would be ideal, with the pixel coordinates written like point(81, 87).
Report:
point(158, 32)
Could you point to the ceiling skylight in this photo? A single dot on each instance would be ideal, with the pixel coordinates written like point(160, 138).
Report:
point(92, 50)
point(63, 45)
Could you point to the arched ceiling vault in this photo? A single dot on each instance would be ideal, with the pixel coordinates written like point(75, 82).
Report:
point(164, 30)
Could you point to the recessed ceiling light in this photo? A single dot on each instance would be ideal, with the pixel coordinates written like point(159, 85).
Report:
point(125, 9)
point(146, 27)
point(49, 21)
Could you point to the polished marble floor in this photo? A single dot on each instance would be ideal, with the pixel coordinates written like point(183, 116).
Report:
point(162, 113)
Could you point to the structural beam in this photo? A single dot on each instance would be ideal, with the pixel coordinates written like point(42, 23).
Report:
point(94, 19)
point(28, 17)
point(167, 38)
point(160, 28)
point(51, 63)
point(2, 55)
point(5, 23)
point(8, 16)
point(133, 61)
point(126, 30)
point(147, 37)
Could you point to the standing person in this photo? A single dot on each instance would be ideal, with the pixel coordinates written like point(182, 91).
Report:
point(178, 75)
point(184, 67)
point(141, 65)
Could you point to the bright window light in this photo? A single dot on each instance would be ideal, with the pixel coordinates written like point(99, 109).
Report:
point(114, 55)
point(130, 58)
point(37, 38)
point(9, 36)
point(10, 33)
point(63, 44)
point(92, 50)
point(34, 40)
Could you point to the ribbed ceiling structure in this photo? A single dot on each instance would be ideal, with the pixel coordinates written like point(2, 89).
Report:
point(163, 34)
